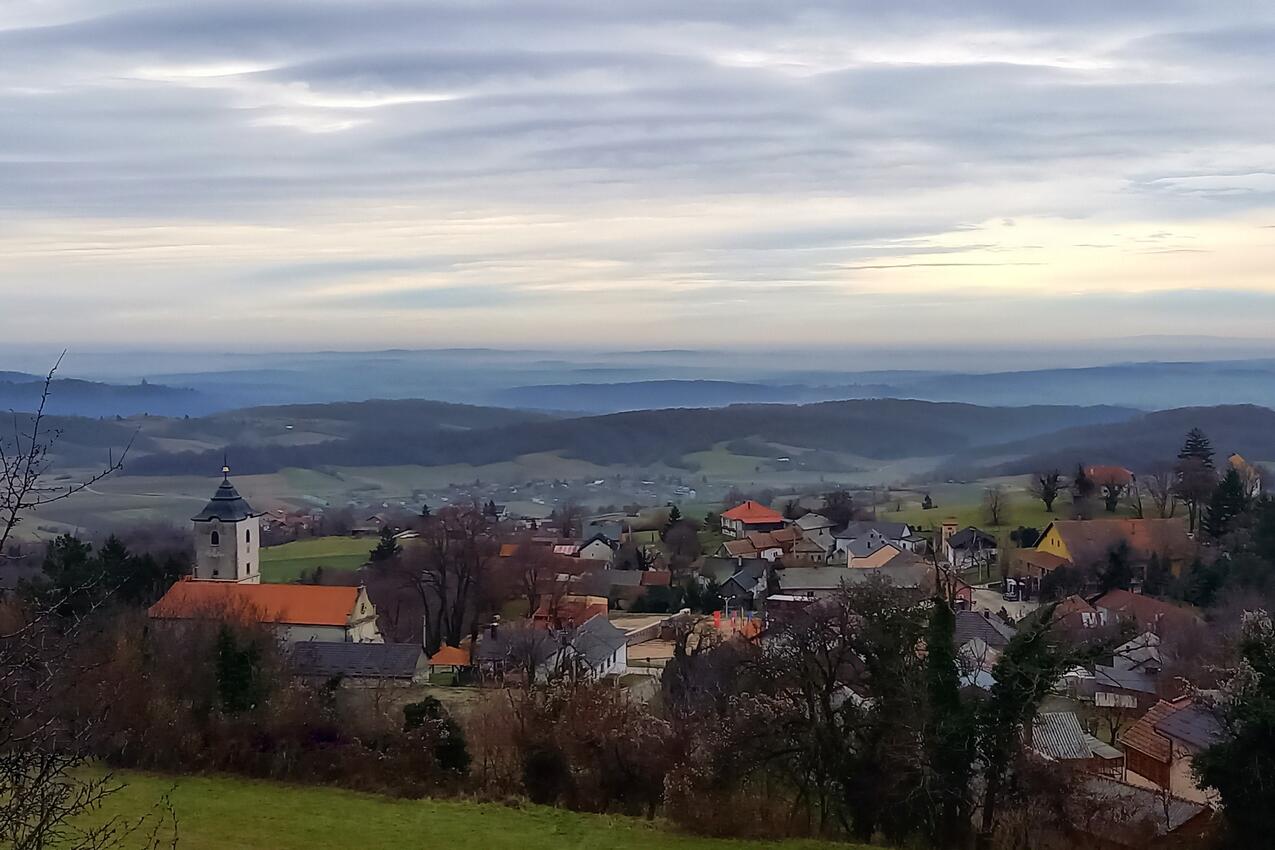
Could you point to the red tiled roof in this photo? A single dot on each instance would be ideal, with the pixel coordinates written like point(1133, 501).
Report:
point(762, 540)
point(289, 604)
point(1103, 475)
point(753, 512)
point(657, 578)
point(739, 548)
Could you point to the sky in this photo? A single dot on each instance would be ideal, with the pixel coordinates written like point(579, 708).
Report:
point(225, 175)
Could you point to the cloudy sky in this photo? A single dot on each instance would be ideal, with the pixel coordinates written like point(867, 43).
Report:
point(225, 174)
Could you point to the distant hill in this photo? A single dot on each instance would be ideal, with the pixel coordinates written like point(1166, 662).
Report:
point(69, 397)
point(1141, 443)
point(379, 435)
point(654, 395)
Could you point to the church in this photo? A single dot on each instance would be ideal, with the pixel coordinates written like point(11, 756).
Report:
point(226, 582)
point(227, 537)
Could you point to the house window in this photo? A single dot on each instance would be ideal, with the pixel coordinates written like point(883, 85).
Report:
point(215, 539)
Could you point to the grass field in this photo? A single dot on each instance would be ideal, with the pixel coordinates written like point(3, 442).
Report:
point(237, 814)
point(286, 562)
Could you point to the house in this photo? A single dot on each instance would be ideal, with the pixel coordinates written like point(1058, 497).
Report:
point(366, 664)
point(750, 584)
point(813, 522)
point(592, 650)
point(1250, 475)
point(597, 548)
point(870, 534)
point(811, 550)
point(750, 516)
point(1058, 736)
point(904, 570)
point(869, 557)
point(1144, 612)
point(297, 612)
point(1088, 543)
point(1107, 477)
point(1160, 746)
point(991, 630)
point(970, 547)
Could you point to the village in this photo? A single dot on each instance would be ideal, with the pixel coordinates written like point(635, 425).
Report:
point(469, 600)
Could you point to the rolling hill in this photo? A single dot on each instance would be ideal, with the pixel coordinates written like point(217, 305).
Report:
point(385, 434)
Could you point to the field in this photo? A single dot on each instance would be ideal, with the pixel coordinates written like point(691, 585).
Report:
point(287, 562)
point(235, 814)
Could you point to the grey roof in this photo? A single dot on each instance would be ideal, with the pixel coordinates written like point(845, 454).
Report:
point(822, 538)
point(357, 660)
point(966, 538)
point(1142, 651)
point(597, 640)
point(744, 579)
point(1107, 678)
point(813, 578)
point(226, 505)
point(991, 630)
point(1125, 805)
point(888, 530)
point(515, 643)
point(1101, 749)
point(862, 547)
point(811, 522)
point(1193, 725)
point(1059, 735)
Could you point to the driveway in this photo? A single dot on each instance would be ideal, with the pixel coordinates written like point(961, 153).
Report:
point(990, 600)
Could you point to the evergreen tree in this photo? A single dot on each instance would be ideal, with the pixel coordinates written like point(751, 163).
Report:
point(950, 734)
point(387, 548)
point(674, 517)
point(1241, 764)
point(424, 511)
point(1197, 446)
point(1117, 572)
point(1228, 502)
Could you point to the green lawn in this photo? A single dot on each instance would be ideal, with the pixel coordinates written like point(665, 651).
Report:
point(238, 814)
point(286, 562)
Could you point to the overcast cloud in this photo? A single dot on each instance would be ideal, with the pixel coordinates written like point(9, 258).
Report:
point(366, 174)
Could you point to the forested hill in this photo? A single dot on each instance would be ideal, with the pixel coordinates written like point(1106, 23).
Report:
point(1141, 443)
point(876, 428)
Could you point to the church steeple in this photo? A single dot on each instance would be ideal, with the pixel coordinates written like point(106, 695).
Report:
point(226, 535)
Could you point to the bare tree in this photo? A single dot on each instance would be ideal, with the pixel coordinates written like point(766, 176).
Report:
point(1046, 486)
point(450, 568)
point(26, 457)
point(995, 505)
point(1133, 499)
point(48, 791)
point(1159, 487)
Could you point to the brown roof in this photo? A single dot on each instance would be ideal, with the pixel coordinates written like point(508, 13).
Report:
point(450, 656)
point(1089, 541)
point(1146, 611)
point(762, 540)
point(290, 604)
point(753, 512)
point(1036, 561)
point(739, 548)
point(791, 534)
point(1143, 737)
point(656, 578)
point(878, 557)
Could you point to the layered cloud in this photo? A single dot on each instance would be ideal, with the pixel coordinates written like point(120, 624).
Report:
point(345, 174)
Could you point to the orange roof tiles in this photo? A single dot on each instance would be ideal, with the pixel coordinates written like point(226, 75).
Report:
point(450, 656)
point(751, 512)
point(288, 604)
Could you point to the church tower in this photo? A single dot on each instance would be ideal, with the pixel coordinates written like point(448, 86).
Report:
point(227, 537)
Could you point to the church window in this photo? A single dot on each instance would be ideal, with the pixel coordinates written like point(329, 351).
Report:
point(247, 535)
point(216, 539)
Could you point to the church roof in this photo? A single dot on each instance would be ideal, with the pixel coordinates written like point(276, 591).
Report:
point(225, 505)
point(286, 604)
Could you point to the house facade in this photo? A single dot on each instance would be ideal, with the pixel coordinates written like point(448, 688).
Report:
point(750, 516)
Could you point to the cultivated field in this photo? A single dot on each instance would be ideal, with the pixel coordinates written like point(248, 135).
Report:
point(287, 562)
point(237, 814)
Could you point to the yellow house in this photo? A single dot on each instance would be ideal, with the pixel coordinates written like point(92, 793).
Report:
point(1087, 542)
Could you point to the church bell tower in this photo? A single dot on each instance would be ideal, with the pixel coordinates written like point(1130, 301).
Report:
point(227, 537)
